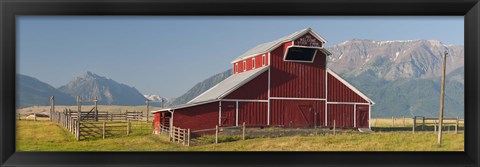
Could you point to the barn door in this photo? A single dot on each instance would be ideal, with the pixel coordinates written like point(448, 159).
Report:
point(362, 116)
point(298, 114)
point(228, 113)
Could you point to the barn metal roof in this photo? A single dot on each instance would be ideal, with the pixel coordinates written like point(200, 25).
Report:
point(230, 84)
point(267, 47)
point(220, 90)
point(184, 106)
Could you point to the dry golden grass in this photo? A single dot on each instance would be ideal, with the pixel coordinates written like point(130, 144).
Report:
point(48, 136)
point(404, 122)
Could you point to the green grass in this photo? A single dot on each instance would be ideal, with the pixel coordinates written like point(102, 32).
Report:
point(48, 136)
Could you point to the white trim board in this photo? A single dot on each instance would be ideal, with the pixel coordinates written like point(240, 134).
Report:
point(236, 113)
point(245, 100)
point(220, 113)
point(268, 95)
point(326, 93)
point(356, 103)
point(294, 98)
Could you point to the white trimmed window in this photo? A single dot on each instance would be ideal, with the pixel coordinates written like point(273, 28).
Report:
point(244, 65)
point(300, 54)
point(263, 60)
point(253, 63)
point(236, 67)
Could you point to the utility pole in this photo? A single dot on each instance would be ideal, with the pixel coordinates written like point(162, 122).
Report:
point(148, 108)
point(442, 98)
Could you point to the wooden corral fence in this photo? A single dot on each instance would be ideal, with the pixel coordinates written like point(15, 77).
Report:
point(106, 116)
point(184, 136)
point(92, 129)
point(180, 135)
point(85, 125)
point(163, 129)
point(219, 129)
point(446, 125)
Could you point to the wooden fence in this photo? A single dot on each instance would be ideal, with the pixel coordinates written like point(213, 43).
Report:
point(89, 129)
point(455, 122)
point(180, 135)
point(219, 129)
point(106, 116)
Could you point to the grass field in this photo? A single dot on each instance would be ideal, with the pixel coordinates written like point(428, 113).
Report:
point(44, 135)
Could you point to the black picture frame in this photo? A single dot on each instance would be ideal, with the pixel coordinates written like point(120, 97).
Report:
point(11, 8)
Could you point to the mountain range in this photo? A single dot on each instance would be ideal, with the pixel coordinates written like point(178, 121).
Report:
point(201, 87)
point(402, 77)
point(32, 91)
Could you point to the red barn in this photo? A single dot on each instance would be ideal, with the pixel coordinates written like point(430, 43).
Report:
point(284, 83)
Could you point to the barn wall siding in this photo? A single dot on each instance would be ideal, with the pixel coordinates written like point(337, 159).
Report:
point(156, 123)
point(228, 113)
point(252, 113)
point(362, 116)
point(256, 89)
point(297, 113)
point(342, 114)
point(339, 92)
point(204, 116)
point(297, 79)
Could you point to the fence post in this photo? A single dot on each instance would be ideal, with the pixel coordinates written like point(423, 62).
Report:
point(435, 126)
point(35, 116)
point(184, 137)
point(334, 126)
point(414, 124)
point(178, 134)
point(216, 134)
point(78, 129)
point(423, 122)
point(456, 126)
point(128, 127)
point(188, 143)
point(243, 131)
point(170, 133)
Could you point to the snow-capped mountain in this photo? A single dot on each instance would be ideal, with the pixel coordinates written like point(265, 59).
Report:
point(392, 60)
point(157, 100)
point(153, 97)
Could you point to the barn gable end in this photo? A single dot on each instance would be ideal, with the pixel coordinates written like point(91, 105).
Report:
point(297, 79)
point(339, 90)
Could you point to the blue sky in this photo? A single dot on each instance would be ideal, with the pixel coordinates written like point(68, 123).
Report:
point(167, 55)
